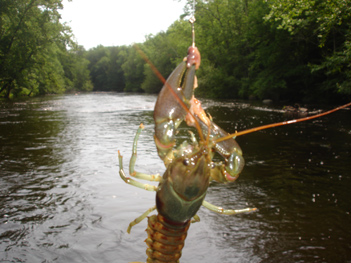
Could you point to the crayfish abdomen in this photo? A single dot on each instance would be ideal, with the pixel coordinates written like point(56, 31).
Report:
point(165, 239)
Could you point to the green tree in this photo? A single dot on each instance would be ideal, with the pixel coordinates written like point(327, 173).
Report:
point(76, 72)
point(323, 23)
point(221, 27)
point(133, 69)
point(116, 80)
point(31, 39)
point(277, 61)
point(99, 58)
point(106, 68)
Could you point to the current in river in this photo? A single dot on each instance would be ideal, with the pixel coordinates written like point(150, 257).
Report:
point(62, 200)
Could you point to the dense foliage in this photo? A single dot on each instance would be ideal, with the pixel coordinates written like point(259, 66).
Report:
point(276, 49)
point(34, 55)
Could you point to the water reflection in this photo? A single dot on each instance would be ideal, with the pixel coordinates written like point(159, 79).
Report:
point(63, 201)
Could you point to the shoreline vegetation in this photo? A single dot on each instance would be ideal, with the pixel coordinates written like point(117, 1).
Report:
point(280, 50)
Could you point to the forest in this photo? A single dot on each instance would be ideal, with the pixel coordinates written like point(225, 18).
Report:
point(284, 50)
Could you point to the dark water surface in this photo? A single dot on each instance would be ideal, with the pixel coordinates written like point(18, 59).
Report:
point(62, 199)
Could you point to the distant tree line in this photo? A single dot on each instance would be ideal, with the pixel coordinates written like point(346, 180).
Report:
point(277, 49)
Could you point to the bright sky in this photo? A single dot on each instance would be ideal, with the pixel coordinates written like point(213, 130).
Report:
point(118, 22)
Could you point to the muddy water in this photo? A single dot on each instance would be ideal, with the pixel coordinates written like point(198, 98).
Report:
point(62, 199)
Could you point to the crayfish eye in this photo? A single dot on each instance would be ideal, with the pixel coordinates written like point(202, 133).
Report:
point(186, 162)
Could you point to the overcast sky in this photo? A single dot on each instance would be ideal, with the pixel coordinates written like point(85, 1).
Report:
point(118, 22)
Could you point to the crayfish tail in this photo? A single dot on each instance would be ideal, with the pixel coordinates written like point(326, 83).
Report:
point(165, 240)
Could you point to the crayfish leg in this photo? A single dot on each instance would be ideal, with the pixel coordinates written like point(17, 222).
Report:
point(140, 218)
point(131, 181)
point(132, 172)
point(221, 210)
point(195, 219)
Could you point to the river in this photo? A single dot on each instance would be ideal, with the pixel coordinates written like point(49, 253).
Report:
point(62, 199)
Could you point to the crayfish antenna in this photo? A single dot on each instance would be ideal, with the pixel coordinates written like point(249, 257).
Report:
point(263, 127)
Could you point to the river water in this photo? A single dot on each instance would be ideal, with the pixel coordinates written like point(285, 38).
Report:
point(62, 199)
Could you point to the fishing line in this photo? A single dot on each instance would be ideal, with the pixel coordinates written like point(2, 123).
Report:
point(192, 22)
